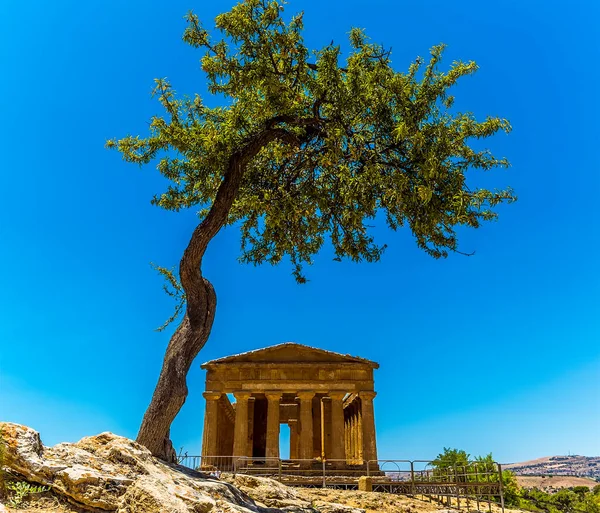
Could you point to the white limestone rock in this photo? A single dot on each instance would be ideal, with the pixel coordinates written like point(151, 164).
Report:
point(107, 472)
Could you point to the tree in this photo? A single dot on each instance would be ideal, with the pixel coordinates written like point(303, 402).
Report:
point(304, 149)
point(511, 489)
point(451, 458)
point(565, 500)
point(589, 503)
point(581, 490)
point(457, 464)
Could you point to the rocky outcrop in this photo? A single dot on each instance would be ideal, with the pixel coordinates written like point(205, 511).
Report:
point(110, 473)
point(272, 494)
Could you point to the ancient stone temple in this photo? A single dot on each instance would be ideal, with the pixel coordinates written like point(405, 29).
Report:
point(325, 398)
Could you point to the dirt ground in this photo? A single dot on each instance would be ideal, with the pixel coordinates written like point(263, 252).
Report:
point(555, 482)
point(376, 502)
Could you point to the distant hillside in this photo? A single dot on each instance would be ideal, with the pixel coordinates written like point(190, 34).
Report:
point(580, 466)
point(552, 483)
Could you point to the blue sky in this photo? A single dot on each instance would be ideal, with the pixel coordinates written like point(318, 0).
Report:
point(498, 352)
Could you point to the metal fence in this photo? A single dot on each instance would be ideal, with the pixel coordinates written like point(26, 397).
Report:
point(304, 472)
point(468, 486)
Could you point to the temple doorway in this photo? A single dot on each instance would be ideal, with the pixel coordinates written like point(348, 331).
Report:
point(284, 441)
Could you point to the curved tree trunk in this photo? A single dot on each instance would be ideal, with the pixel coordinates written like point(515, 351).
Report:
point(171, 390)
point(191, 335)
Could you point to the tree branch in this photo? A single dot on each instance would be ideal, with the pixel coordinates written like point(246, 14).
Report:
point(312, 66)
point(190, 265)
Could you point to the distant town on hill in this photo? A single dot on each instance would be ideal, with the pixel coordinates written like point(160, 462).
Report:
point(580, 466)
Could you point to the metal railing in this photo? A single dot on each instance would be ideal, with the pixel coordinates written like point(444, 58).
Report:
point(303, 472)
point(456, 486)
point(208, 464)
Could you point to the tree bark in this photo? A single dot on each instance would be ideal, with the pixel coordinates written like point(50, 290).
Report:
point(171, 390)
point(191, 335)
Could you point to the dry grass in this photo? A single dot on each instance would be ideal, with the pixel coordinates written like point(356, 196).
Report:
point(376, 502)
point(555, 482)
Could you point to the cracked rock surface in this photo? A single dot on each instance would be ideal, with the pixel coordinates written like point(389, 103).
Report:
point(107, 472)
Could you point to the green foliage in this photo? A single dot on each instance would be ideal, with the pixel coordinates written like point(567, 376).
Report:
point(339, 143)
point(578, 499)
point(451, 458)
point(21, 490)
point(511, 488)
point(481, 467)
point(590, 503)
point(173, 288)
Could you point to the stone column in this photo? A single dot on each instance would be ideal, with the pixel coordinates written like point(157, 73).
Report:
point(293, 423)
point(353, 437)
point(211, 427)
point(240, 433)
point(337, 426)
point(347, 438)
point(368, 421)
point(327, 426)
point(322, 430)
point(203, 434)
point(274, 399)
point(317, 446)
point(306, 425)
point(219, 450)
point(360, 430)
point(250, 447)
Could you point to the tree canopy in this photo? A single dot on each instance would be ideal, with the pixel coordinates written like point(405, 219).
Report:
point(325, 146)
point(451, 458)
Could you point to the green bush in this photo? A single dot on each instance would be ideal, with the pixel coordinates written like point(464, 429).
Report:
point(579, 499)
point(512, 490)
point(581, 490)
point(21, 490)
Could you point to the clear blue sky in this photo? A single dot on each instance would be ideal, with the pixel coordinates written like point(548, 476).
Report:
point(498, 352)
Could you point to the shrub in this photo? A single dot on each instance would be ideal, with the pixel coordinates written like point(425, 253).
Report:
point(21, 490)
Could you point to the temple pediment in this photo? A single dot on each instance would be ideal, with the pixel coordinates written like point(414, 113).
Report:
point(290, 352)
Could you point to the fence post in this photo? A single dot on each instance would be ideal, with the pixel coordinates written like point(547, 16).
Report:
point(477, 489)
point(456, 485)
point(279, 468)
point(368, 468)
point(412, 478)
point(324, 482)
point(501, 486)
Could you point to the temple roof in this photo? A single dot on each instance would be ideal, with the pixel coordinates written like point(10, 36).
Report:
point(290, 352)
